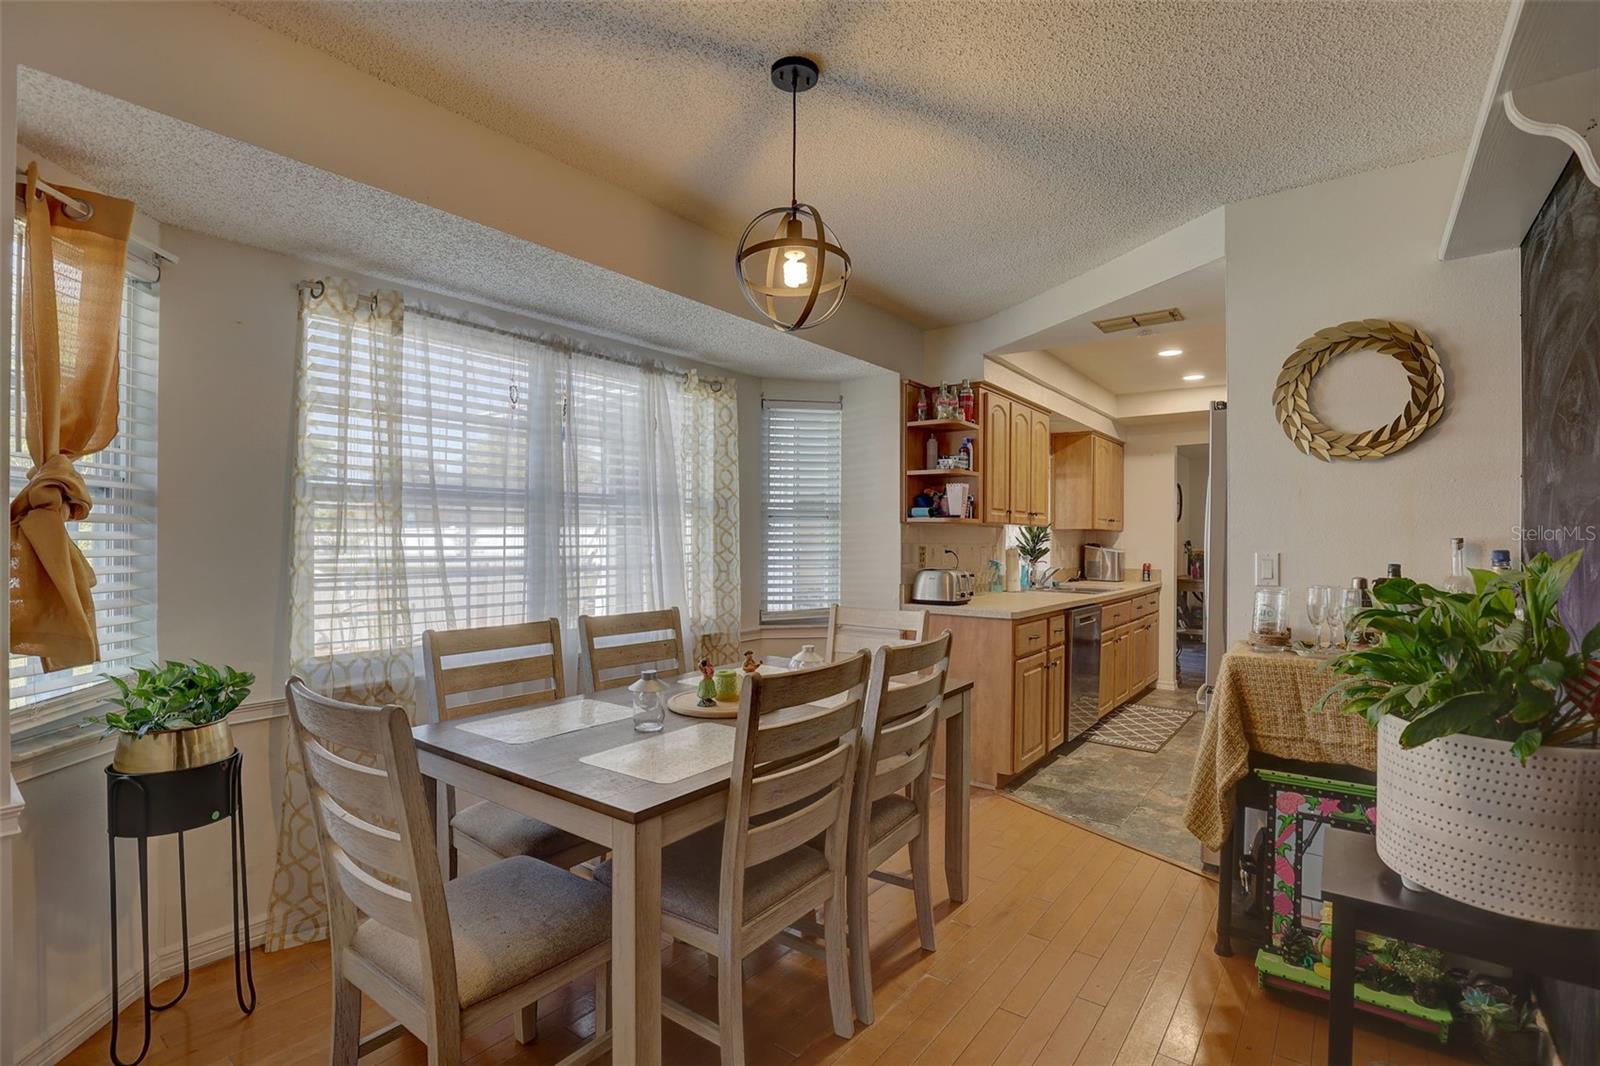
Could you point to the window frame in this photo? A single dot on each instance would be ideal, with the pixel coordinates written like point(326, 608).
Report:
point(138, 378)
point(813, 614)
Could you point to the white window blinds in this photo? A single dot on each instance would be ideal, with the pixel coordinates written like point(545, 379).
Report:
point(119, 537)
point(800, 461)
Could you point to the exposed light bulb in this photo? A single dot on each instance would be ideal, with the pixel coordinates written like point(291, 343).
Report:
point(1168, 353)
point(1194, 377)
point(795, 274)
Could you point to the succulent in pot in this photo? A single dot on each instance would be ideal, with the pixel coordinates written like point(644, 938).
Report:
point(173, 716)
point(1487, 711)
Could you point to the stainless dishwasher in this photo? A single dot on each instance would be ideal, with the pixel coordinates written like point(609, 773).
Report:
point(1083, 686)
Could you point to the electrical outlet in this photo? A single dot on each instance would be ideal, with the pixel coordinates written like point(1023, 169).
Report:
point(1266, 568)
point(922, 555)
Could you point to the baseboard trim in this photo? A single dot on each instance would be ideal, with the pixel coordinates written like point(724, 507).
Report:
point(94, 1015)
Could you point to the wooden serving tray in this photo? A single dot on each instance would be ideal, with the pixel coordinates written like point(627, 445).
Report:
point(688, 704)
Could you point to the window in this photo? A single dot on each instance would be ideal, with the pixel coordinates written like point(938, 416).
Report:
point(800, 460)
point(119, 536)
point(533, 482)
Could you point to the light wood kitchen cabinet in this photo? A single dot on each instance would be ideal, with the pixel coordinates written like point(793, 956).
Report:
point(1109, 643)
point(1021, 465)
point(1087, 473)
point(995, 457)
point(1056, 704)
point(1031, 693)
point(1038, 467)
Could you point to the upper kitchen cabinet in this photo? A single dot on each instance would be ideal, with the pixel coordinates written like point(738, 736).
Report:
point(1088, 481)
point(1008, 447)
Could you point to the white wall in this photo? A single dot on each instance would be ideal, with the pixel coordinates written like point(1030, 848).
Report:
point(870, 526)
point(1150, 534)
point(1367, 247)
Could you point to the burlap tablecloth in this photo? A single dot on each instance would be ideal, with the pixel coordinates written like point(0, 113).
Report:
point(1261, 704)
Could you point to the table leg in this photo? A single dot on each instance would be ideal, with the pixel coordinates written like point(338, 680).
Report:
point(1342, 986)
point(636, 943)
point(958, 801)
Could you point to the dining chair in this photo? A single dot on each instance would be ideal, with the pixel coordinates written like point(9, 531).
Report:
point(497, 668)
point(729, 889)
point(890, 801)
point(853, 629)
point(442, 959)
point(634, 642)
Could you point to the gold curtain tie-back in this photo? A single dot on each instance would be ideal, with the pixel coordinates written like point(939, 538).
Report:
point(53, 485)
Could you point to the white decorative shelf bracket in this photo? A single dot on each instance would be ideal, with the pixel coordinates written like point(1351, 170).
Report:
point(1576, 99)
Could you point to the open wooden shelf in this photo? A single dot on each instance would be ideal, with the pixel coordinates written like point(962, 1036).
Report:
point(946, 519)
point(943, 423)
point(969, 474)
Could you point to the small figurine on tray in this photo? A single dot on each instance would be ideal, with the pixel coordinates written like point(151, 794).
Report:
point(707, 689)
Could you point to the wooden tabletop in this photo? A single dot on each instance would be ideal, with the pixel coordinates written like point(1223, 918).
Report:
point(552, 765)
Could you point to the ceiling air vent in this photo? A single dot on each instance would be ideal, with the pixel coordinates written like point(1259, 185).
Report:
point(1143, 318)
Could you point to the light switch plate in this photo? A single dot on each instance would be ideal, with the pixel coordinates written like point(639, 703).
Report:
point(1266, 568)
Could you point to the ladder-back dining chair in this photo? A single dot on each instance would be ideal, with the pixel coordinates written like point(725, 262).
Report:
point(479, 671)
point(442, 959)
point(853, 629)
point(633, 642)
point(890, 801)
point(729, 889)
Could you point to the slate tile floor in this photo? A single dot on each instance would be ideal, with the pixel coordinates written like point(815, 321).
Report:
point(1130, 796)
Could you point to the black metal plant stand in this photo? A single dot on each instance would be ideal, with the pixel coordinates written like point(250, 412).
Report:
point(142, 806)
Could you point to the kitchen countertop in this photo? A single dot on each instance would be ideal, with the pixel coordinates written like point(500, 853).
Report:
point(1022, 605)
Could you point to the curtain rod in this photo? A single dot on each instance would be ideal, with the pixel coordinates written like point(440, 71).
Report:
point(78, 210)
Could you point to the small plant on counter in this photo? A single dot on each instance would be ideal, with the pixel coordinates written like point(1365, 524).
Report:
point(1033, 543)
point(1494, 663)
point(1502, 1027)
point(175, 695)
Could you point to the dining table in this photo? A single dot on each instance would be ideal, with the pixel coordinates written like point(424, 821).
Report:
point(579, 765)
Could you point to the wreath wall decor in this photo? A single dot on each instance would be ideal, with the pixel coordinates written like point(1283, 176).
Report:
point(1408, 344)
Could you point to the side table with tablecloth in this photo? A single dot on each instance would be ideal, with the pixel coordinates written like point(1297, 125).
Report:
point(1260, 713)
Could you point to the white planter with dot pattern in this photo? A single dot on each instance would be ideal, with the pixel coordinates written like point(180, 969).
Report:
point(1461, 816)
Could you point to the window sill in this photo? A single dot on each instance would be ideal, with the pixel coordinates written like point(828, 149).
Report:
point(68, 744)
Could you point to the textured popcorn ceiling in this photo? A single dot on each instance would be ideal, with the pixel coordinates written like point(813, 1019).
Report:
point(969, 154)
point(191, 177)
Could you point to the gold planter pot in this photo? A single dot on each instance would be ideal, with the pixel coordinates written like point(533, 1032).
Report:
point(176, 749)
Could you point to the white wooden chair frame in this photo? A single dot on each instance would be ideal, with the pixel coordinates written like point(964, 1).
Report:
point(470, 683)
point(375, 836)
point(898, 733)
point(663, 653)
point(845, 626)
point(791, 783)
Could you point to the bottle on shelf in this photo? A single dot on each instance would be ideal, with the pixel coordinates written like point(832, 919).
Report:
point(966, 453)
point(922, 405)
point(1500, 560)
point(967, 401)
point(1459, 580)
point(931, 458)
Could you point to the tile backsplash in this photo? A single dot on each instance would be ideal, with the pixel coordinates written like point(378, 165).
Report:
point(925, 546)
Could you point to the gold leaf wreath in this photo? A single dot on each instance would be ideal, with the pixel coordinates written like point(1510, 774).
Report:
point(1411, 346)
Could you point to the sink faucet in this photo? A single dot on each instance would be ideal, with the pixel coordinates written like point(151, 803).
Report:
point(1047, 577)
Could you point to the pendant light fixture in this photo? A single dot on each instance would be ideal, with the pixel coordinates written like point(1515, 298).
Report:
point(793, 278)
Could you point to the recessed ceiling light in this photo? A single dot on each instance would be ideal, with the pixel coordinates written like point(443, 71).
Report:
point(1194, 377)
point(1168, 353)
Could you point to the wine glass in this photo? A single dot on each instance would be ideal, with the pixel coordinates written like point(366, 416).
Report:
point(1318, 602)
point(1347, 604)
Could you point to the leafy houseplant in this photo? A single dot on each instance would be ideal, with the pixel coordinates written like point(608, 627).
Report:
point(1483, 702)
point(1494, 663)
point(1502, 1028)
point(1033, 544)
point(172, 715)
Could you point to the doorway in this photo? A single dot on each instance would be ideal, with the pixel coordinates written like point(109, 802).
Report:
point(1189, 564)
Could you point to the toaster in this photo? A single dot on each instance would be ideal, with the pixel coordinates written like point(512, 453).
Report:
point(942, 586)
point(1101, 564)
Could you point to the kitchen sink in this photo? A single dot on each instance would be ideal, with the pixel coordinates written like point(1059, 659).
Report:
point(1081, 590)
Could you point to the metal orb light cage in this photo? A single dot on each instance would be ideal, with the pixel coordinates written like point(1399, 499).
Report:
point(796, 277)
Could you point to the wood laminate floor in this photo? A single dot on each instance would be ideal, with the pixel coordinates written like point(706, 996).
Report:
point(1072, 949)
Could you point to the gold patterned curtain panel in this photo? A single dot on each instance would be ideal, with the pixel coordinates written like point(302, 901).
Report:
point(708, 451)
point(347, 530)
point(71, 313)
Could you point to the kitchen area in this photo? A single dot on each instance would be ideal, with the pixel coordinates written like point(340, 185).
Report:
point(1011, 534)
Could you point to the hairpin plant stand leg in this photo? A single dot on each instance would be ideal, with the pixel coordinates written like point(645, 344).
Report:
point(129, 788)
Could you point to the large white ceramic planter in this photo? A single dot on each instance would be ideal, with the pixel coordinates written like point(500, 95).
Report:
point(1463, 817)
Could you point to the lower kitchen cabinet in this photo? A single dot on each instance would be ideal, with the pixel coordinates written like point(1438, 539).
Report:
point(1031, 700)
point(1020, 672)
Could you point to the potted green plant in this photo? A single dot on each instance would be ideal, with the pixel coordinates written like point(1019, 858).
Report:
point(174, 716)
point(1033, 546)
point(1502, 1028)
point(1486, 710)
